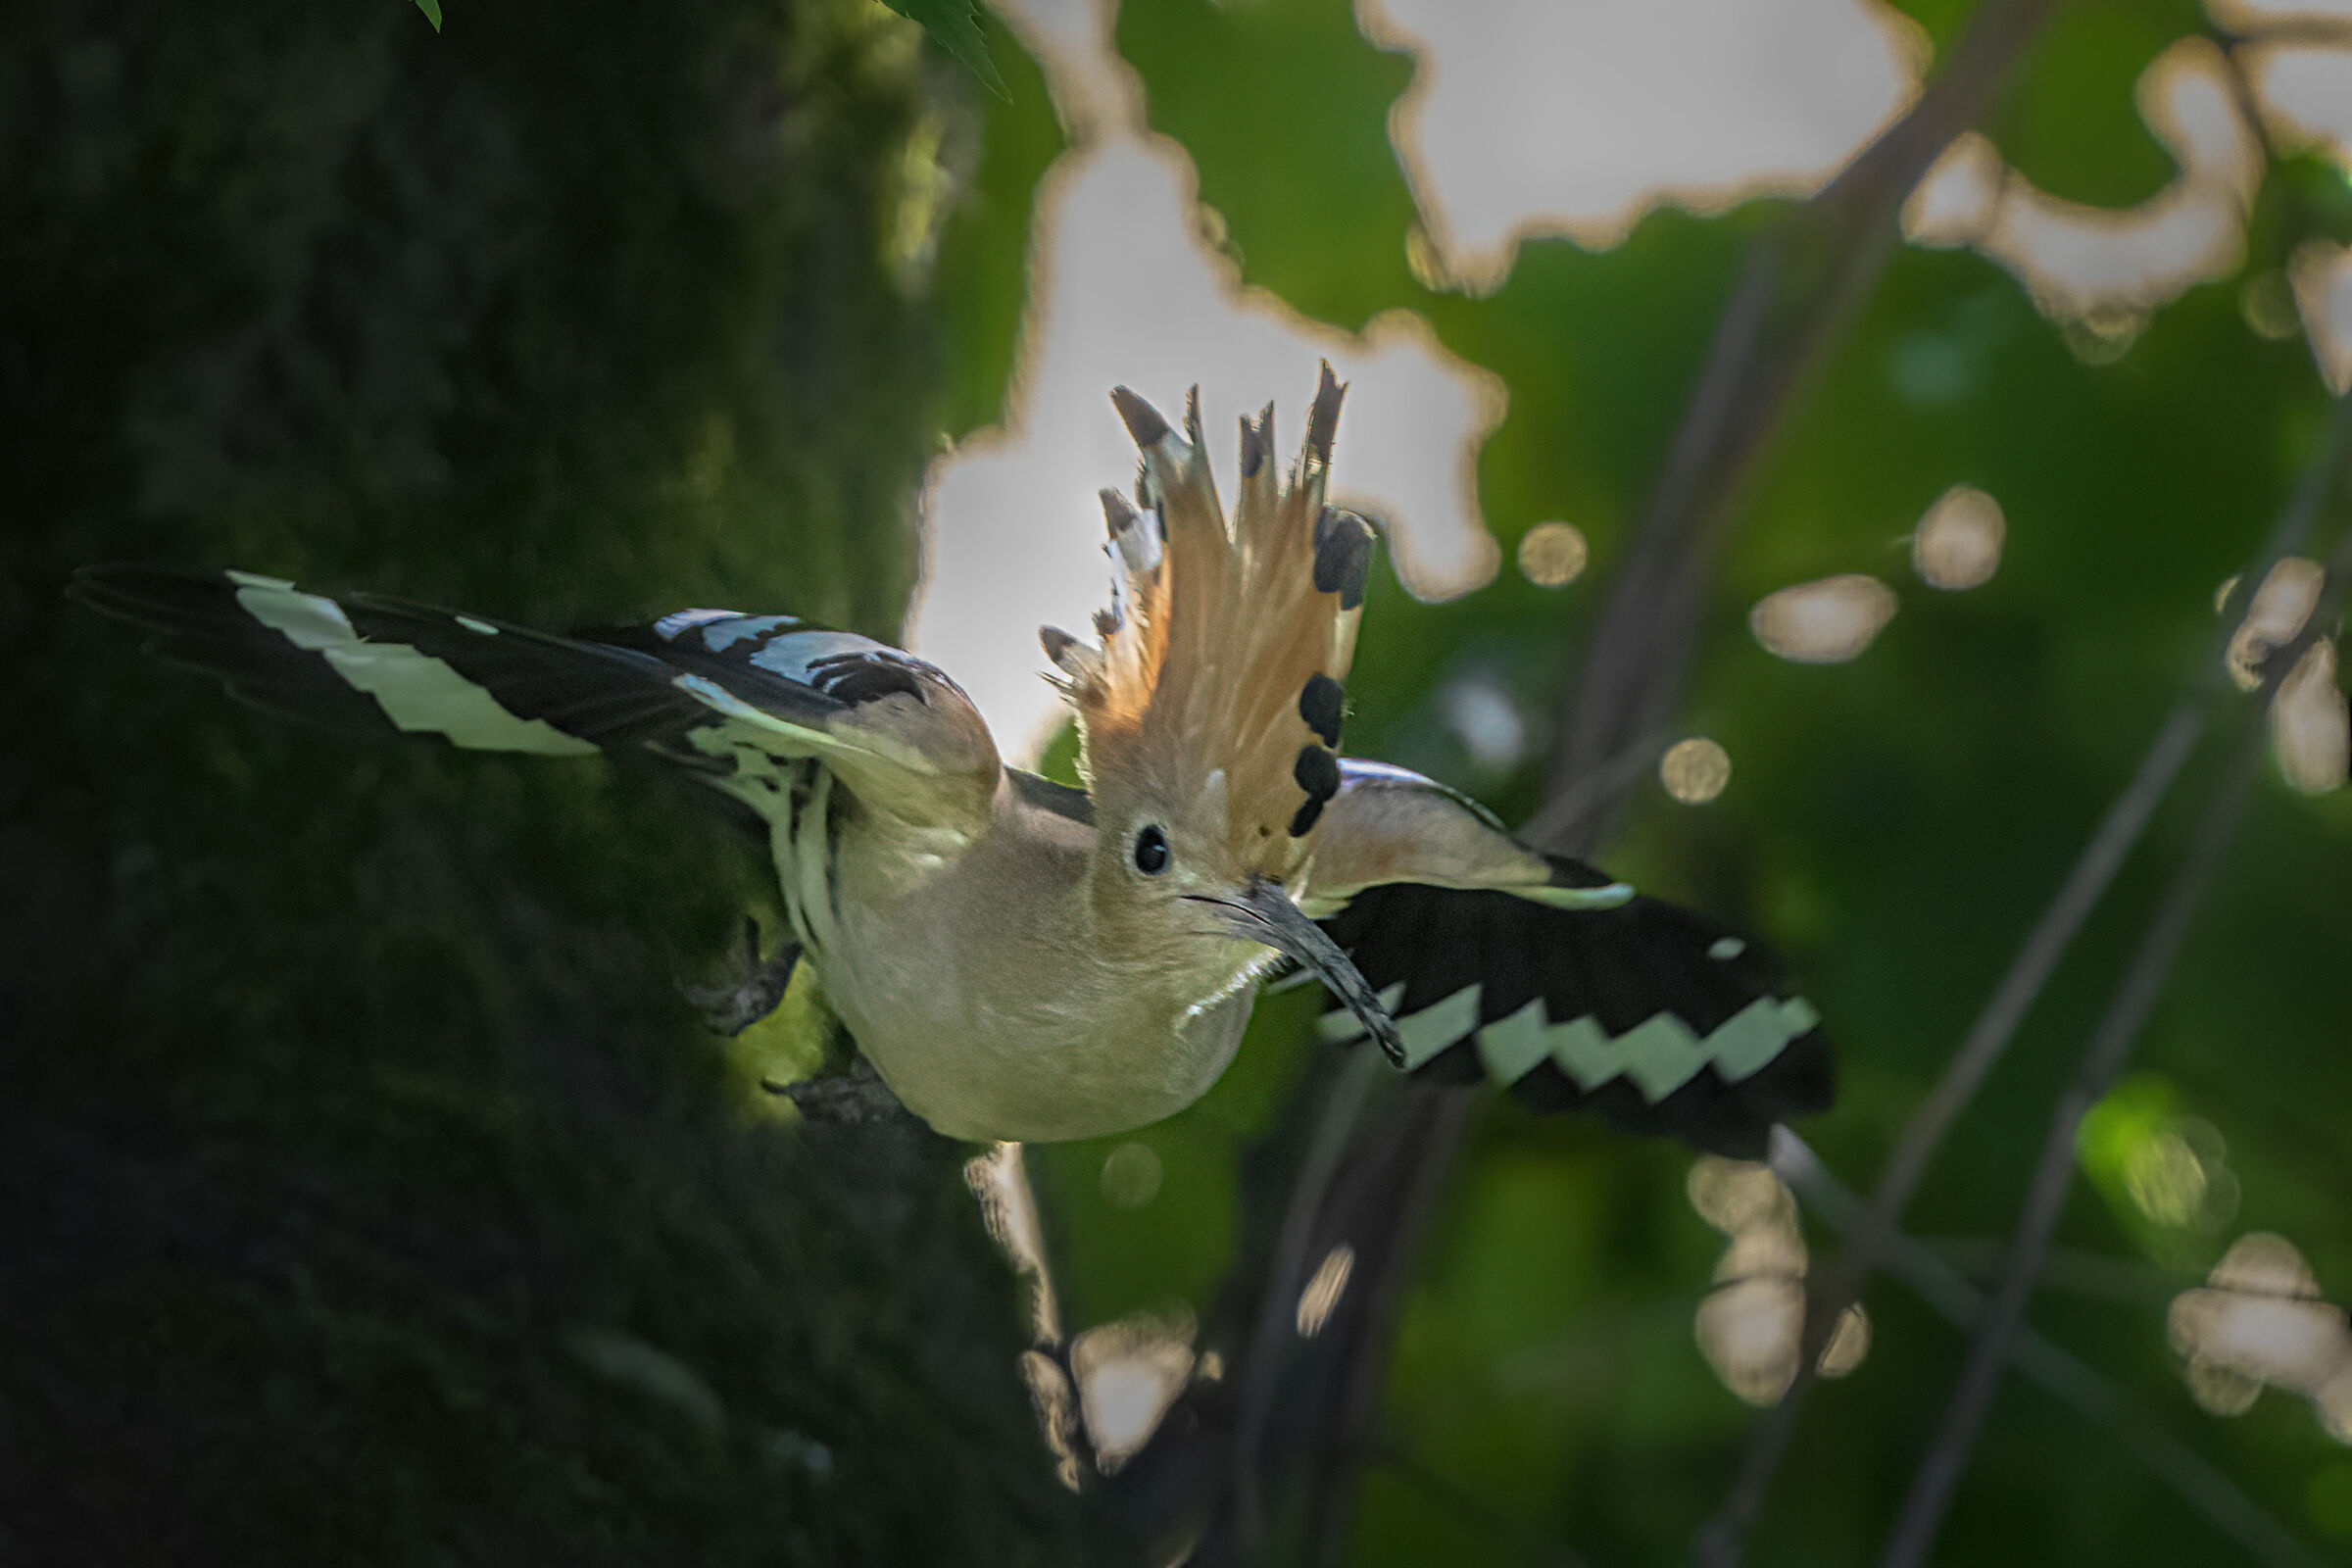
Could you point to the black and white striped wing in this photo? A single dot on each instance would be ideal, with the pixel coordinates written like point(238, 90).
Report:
point(737, 699)
point(1651, 1015)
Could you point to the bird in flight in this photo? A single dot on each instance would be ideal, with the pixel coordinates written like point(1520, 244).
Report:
point(1021, 960)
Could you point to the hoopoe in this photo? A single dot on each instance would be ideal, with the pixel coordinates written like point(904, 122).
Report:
point(1021, 960)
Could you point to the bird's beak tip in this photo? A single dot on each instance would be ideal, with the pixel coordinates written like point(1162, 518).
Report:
point(1265, 913)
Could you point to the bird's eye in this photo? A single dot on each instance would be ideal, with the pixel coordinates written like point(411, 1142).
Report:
point(1151, 850)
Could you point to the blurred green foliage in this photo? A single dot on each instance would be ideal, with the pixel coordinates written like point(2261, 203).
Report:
point(956, 27)
point(1895, 824)
point(370, 1193)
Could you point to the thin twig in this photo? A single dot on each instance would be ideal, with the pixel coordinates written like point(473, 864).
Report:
point(1997, 1326)
point(1722, 1541)
point(1448, 1110)
point(2125, 820)
point(2131, 1282)
point(2071, 1381)
point(1988, 1038)
point(1922, 1511)
point(1565, 811)
point(1286, 1276)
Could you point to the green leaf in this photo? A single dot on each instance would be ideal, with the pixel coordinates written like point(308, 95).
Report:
point(432, 12)
point(956, 27)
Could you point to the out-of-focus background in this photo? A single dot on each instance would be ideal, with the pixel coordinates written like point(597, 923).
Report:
point(1837, 558)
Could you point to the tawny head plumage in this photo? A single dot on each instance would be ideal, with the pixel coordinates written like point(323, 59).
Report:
point(1215, 698)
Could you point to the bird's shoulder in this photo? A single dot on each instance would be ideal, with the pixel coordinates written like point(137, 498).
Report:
point(896, 729)
point(1041, 794)
point(782, 660)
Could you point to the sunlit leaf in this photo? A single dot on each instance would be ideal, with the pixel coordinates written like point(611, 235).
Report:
point(955, 26)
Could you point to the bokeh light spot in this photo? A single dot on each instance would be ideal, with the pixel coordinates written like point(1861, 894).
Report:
point(2218, 1390)
point(1486, 721)
point(1732, 1194)
point(1849, 1343)
point(2259, 1319)
point(1129, 1372)
point(1958, 541)
point(1824, 622)
point(1749, 1331)
point(2157, 1166)
point(1751, 1327)
point(1694, 770)
point(2311, 726)
point(2281, 606)
point(1131, 1175)
point(2333, 1401)
point(2252, 15)
point(1324, 1290)
point(2268, 304)
point(2104, 333)
point(2166, 1180)
point(1575, 120)
point(2099, 272)
point(1552, 554)
point(2321, 272)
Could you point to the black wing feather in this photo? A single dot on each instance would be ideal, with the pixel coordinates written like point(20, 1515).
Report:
point(195, 620)
point(610, 697)
point(612, 692)
point(1621, 968)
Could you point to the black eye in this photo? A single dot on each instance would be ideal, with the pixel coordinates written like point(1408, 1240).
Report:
point(1152, 852)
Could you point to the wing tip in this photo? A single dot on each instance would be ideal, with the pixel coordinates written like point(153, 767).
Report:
point(1649, 1015)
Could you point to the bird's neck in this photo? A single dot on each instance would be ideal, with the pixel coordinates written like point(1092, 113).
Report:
point(1166, 948)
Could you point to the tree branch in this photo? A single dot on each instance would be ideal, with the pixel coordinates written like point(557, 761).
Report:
point(2125, 820)
point(2073, 1382)
point(1448, 1110)
point(1997, 1326)
point(1988, 1038)
point(1286, 1276)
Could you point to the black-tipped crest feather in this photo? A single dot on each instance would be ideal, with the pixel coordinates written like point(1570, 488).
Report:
point(1210, 666)
point(1323, 418)
point(1142, 420)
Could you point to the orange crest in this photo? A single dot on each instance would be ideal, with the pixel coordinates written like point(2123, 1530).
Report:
point(1226, 643)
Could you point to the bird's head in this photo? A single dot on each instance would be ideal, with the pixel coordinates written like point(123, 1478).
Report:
point(1208, 716)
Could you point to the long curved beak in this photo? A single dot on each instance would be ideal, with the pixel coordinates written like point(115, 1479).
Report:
point(1263, 912)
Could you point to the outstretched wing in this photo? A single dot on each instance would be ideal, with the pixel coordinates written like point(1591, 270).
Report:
point(737, 699)
point(1657, 1018)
